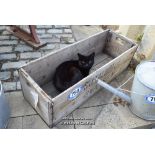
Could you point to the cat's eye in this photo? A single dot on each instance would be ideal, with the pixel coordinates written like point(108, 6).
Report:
point(82, 62)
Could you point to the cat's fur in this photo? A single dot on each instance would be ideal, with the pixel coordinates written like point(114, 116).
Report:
point(70, 72)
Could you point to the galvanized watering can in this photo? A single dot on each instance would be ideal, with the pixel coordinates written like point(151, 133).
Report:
point(4, 109)
point(142, 100)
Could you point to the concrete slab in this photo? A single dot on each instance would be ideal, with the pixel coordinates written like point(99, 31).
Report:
point(19, 106)
point(84, 118)
point(109, 118)
point(124, 76)
point(34, 122)
point(55, 127)
point(81, 31)
point(132, 121)
point(15, 123)
point(113, 117)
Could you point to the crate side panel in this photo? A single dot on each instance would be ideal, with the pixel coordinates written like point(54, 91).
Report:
point(117, 44)
point(35, 98)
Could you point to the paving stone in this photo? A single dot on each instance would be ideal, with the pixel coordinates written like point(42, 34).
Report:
point(61, 26)
point(44, 52)
point(9, 86)
point(7, 56)
point(13, 38)
point(45, 36)
point(21, 43)
point(109, 118)
point(30, 55)
point(8, 42)
point(64, 35)
point(44, 26)
point(55, 31)
point(113, 117)
point(66, 123)
point(34, 122)
point(84, 118)
point(67, 40)
point(5, 75)
point(49, 47)
point(15, 123)
point(131, 120)
point(2, 28)
point(23, 48)
point(5, 49)
point(15, 74)
point(55, 40)
point(19, 106)
point(52, 40)
point(5, 32)
point(4, 37)
point(13, 65)
point(18, 85)
point(67, 31)
point(40, 31)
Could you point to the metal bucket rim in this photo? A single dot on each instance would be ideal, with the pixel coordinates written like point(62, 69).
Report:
point(141, 81)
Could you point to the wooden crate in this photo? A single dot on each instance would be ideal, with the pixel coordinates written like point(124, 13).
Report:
point(113, 54)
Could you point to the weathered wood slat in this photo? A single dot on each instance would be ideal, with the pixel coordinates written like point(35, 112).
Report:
point(50, 89)
point(100, 64)
point(100, 57)
point(117, 45)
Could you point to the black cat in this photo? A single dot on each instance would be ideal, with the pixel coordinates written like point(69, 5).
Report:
point(70, 72)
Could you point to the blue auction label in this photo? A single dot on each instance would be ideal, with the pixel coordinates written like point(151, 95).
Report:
point(75, 93)
point(150, 98)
